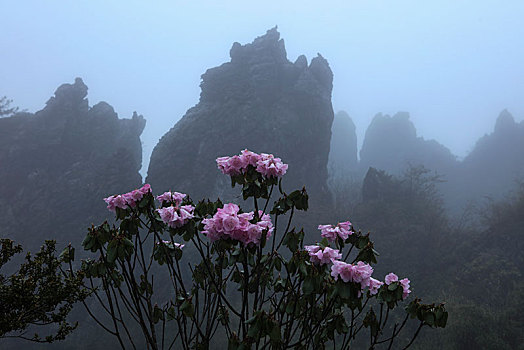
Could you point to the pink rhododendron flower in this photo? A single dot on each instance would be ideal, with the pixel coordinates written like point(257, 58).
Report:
point(330, 232)
point(374, 285)
point(359, 273)
point(390, 278)
point(126, 200)
point(321, 256)
point(265, 164)
point(222, 163)
point(405, 286)
point(145, 189)
point(342, 270)
point(228, 223)
point(237, 164)
point(116, 201)
point(132, 197)
point(269, 166)
point(249, 158)
point(362, 272)
point(175, 216)
point(175, 197)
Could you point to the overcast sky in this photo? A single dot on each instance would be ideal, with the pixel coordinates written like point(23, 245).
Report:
point(454, 65)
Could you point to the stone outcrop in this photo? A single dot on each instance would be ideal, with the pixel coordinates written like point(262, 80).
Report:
point(260, 101)
point(391, 144)
point(58, 164)
point(343, 150)
point(494, 167)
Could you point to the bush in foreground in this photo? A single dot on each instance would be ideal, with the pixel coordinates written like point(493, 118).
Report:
point(239, 277)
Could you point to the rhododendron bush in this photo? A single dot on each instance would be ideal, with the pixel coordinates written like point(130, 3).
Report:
point(243, 279)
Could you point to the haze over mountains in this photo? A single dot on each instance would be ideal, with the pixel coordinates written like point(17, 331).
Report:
point(72, 153)
point(58, 163)
point(492, 169)
point(260, 101)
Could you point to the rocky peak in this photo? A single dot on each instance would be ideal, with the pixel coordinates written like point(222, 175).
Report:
point(391, 144)
point(505, 122)
point(266, 48)
point(58, 164)
point(343, 148)
point(70, 96)
point(260, 101)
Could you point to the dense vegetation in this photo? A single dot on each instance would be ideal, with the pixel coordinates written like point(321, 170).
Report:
point(241, 288)
point(473, 262)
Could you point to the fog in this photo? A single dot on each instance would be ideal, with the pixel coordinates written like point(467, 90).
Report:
point(453, 65)
point(406, 119)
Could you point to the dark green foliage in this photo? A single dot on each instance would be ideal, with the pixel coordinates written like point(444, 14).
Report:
point(5, 109)
point(478, 270)
point(40, 293)
point(265, 295)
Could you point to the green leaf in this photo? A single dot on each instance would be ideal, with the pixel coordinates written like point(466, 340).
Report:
point(439, 313)
point(252, 319)
point(232, 344)
point(429, 318)
point(187, 308)
point(308, 286)
point(443, 320)
point(68, 254)
point(393, 286)
point(171, 314)
point(112, 252)
point(253, 330)
point(302, 268)
point(278, 264)
point(275, 334)
point(290, 307)
point(343, 290)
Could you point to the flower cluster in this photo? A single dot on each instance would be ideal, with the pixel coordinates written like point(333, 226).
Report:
point(342, 230)
point(358, 273)
point(265, 164)
point(127, 200)
point(175, 216)
point(320, 256)
point(228, 223)
point(374, 285)
point(391, 278)
point(175, 197)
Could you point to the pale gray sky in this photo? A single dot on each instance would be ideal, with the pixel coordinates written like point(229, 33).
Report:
point(454, 65)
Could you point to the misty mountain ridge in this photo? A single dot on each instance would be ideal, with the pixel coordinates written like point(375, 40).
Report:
point(260, 101)
point(492, 168)
point(58, 164)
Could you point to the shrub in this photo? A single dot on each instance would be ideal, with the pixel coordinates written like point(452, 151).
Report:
point(238, 277)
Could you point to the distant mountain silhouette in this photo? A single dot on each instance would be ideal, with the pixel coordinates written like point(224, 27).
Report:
point(260, 101)
point(392, 144)
point(58, 164)
point(343, 147)
point(493, 167)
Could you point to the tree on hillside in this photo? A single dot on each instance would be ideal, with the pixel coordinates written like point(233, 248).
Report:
point(40, 294)
point(5, 109)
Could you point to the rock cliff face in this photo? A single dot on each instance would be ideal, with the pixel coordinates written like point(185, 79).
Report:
point(58, 164)
point(260, 101)
point(343, 151)
point(494, 166)
point(391, 144)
